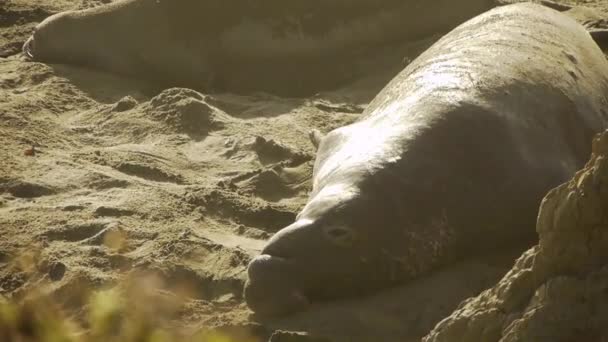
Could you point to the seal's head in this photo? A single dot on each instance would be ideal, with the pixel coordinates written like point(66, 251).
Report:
point(84, 39)
point(53, 40)
point(133, 38)
point(331, 251)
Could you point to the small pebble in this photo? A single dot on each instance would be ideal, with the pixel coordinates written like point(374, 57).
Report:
point(57, 271)
point(30, 152)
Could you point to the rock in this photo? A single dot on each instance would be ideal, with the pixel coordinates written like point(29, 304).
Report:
point(57, 271)
point(558, 290)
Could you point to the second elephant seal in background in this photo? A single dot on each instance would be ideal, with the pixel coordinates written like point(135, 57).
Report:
point(284, 47)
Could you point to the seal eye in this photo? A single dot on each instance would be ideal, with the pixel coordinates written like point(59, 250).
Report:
point(340, 235)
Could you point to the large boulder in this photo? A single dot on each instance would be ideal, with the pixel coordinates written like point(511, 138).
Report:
point(558, 290)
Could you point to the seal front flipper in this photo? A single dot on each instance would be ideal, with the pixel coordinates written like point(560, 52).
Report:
point(315, 137)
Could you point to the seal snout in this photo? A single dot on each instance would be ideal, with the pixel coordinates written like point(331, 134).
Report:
point(270, 289)
point(265, 264)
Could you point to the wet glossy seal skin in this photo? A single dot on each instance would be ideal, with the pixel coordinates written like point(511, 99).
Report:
point(452, 156)
point(283, 47)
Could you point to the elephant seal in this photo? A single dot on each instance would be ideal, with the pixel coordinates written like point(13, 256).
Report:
point(289, 48)
point(452, 157)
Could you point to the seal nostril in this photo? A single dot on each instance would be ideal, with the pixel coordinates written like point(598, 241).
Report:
point(275, 251)
point(337, 232)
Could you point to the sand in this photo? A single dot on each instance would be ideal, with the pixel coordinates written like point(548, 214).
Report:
point(103, 178)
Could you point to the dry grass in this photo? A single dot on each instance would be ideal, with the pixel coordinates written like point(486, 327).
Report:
point(111, 315)
point(138, 308)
